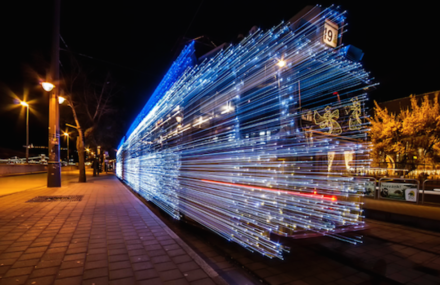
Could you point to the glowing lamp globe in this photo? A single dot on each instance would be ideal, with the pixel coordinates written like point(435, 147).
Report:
point(47, 86)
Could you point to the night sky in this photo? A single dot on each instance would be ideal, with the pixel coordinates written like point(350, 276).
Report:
point(138, 43)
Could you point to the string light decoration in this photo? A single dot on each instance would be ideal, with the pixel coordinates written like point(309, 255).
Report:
point(328, 121)
point(230, 142)
point(355, 122)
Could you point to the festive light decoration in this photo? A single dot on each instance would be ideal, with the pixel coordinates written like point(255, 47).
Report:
point(355, 122)
point(231, 142)
point(328, 120)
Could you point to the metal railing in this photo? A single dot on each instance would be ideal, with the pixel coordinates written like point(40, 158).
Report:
point(436, 181)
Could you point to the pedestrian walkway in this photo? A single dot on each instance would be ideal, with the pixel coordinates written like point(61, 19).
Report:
point(109, 237)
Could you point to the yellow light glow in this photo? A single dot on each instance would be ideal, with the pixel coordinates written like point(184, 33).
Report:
point(281, 63)
point(61, 99)
point(66, 134)
point(24, 104)
point(47, 86)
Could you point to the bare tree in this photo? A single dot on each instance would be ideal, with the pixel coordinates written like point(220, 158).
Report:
point(90, 98)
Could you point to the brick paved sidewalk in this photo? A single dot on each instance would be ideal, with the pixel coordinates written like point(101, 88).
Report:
point(109, 237)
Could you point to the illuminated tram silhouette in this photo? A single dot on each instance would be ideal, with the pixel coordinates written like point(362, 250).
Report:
point(260, 139)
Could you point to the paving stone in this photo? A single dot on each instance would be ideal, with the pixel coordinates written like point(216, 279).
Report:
point(139, 258)
point(206, 281)
point(31, 255)
point(171, 275)
point(57, 249)
point(53, 256)
point(36, 249)
point(10, 255)
point(19, 271)
point(146, 274)
point(46, 280)
point(14, 280)
point(116, 246)
point(77, 250)
point(26, 263)
point(160, 259)
point(152, 247)
point(181, 259)
point(134, 246)
point(48, 263)
point(102, 250)
point(120, 265)
point(72, 264)
point(76, 271)
point(188, 266)
point(180, 281)
point(117, 251)
point(97, 245)
point(49, 271)
point(124, 281)
point(120, 273)
point(75, 280)
point(96, 281)
point(78, 256)
point(94, 273)
point(137, 252)
point(165, 266)
point(15, 249)
point(95, 257)
point(176, 252)
point(194, 275)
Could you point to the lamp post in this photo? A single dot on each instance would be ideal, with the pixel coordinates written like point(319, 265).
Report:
point(27, 129)
point(68, 159)
point(53, 164)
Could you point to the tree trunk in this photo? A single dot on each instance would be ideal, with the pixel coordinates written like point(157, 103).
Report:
point(81, 158)
point(79, 147)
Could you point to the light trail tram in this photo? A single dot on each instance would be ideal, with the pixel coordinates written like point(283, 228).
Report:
point(263, 137)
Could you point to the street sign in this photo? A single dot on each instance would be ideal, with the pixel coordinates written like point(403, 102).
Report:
point(330, 35)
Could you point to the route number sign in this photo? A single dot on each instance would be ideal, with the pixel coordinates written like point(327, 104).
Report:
point(330, 35)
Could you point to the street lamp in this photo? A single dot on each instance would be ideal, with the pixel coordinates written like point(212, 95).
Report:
point(68, 159)
point(47, 86)
point(53, 164)
point(53, 170)
point(27, 129)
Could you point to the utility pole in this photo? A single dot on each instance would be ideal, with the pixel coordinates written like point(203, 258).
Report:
point(54, 167)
